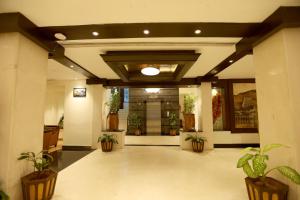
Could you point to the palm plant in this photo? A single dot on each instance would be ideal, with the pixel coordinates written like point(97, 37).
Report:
point(114, 103)
point(40, 161)
point(188, 104)
point(195, 138)
point(173, 120)
point(255, 166)
point(135, 120)
point(108, 138)
point(3, 196)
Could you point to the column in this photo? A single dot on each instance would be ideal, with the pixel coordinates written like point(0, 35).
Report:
point(206, 119)
point(277, 67)
point(23, 77)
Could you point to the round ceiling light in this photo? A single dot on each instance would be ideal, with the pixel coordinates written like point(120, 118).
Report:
point(152, 90)
point(150, 71)
point(60, 36)
point(198, 31)
point(231, 61)
point(146, 32)
point(95, 33)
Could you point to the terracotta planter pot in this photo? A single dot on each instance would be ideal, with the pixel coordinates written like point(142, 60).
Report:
point(173, 132)
point(189, 122)
point(198, 146)
point(106, 146)
point(113, 121)
point(137, 132)
point(39, 188)
point(270, 189)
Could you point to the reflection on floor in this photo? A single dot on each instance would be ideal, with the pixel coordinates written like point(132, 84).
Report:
point(152, 172)
point(64, 159)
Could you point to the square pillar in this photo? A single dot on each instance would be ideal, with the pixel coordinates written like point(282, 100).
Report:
point(277, 68)
point(23, 77)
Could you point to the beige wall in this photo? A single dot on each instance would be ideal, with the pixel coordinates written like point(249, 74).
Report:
point(23, 74)
point(277, 80)
point(55, 98)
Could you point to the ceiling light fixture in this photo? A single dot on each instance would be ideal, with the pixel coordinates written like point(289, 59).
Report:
point(198, 31)
point(71, 66)
point(152, 90)
point(146, 32)
point(231, 61)
point(60, 36)
point(95, 33)
point(150, 71)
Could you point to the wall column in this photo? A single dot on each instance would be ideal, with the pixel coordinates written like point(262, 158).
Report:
point(277, 66)
point(206, 119)
point(23, 76)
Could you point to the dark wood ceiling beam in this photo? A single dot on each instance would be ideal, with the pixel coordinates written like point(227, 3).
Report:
point(283, 17)
point(16, 22)
point(169, 29)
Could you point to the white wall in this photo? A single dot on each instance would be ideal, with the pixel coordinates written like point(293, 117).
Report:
point(277, 81)
point(55, 98)
point(23, 78)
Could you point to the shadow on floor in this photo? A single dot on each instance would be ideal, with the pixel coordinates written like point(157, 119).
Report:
point(63, 159)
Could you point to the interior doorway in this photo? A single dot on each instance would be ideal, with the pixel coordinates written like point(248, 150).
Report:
point(153, 118)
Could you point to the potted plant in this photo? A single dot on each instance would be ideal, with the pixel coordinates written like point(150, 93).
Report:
point(3, 195)
point(114, 105)
point(189, 116)
point(173, 123)
point(259, 185)
point(197, 142)
point(39, 184)
point(136, 121)
point(107, 141)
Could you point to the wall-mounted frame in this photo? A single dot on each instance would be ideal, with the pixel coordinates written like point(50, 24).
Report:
point(79, 92)
point(243, 106)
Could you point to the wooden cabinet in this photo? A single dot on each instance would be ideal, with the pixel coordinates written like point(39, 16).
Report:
point(50, 137)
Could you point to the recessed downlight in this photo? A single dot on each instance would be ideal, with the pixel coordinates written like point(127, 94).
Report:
point(60, 36)
point(95, 33)
point(146, 32)
point(231, 61)
point(72, 66)
point(150, 71)
point(197, 31)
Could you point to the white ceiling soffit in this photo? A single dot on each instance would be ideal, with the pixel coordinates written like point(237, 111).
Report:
point(57, 71)
point(243, 68)
point(87, 53)
point(53, 13)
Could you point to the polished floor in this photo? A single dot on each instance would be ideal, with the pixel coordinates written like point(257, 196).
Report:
point(152, 172)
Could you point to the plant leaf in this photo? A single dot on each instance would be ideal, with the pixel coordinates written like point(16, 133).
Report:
point(269, 147)
point(3, 196)
point(244, 160)
point(259, 165)
point(251, 149)
point(290, 173)
point(247, 169)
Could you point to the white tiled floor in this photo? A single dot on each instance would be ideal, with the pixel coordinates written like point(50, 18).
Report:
point(153, 173)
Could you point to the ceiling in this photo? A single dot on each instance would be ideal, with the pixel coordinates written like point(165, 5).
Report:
point(86, 52)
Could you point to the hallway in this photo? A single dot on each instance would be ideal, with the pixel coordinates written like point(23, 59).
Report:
point(162, 173)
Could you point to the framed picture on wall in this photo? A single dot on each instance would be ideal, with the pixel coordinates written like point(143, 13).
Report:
point(243, 106)
point(79, 92)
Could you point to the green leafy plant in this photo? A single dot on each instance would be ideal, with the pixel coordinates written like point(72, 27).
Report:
point(108, 138)
point(61, 122)
point(114, 103)
point(195, 138)
point(173, 120)
point(135, 120)
point(40, 161)
point(188, 104)
point(255, 166)
point(3, 196)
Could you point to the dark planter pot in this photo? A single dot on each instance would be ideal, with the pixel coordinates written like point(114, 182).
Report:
point(198, 146)
point(270, 189)
point(189, 122)
point(173, 132)
point(137, 132)
point(39, 187)
point(106, 146)
point(113, 121)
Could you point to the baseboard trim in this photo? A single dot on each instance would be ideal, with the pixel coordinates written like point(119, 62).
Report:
point(236, 145)
point(76, 148)
point(162, 145)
